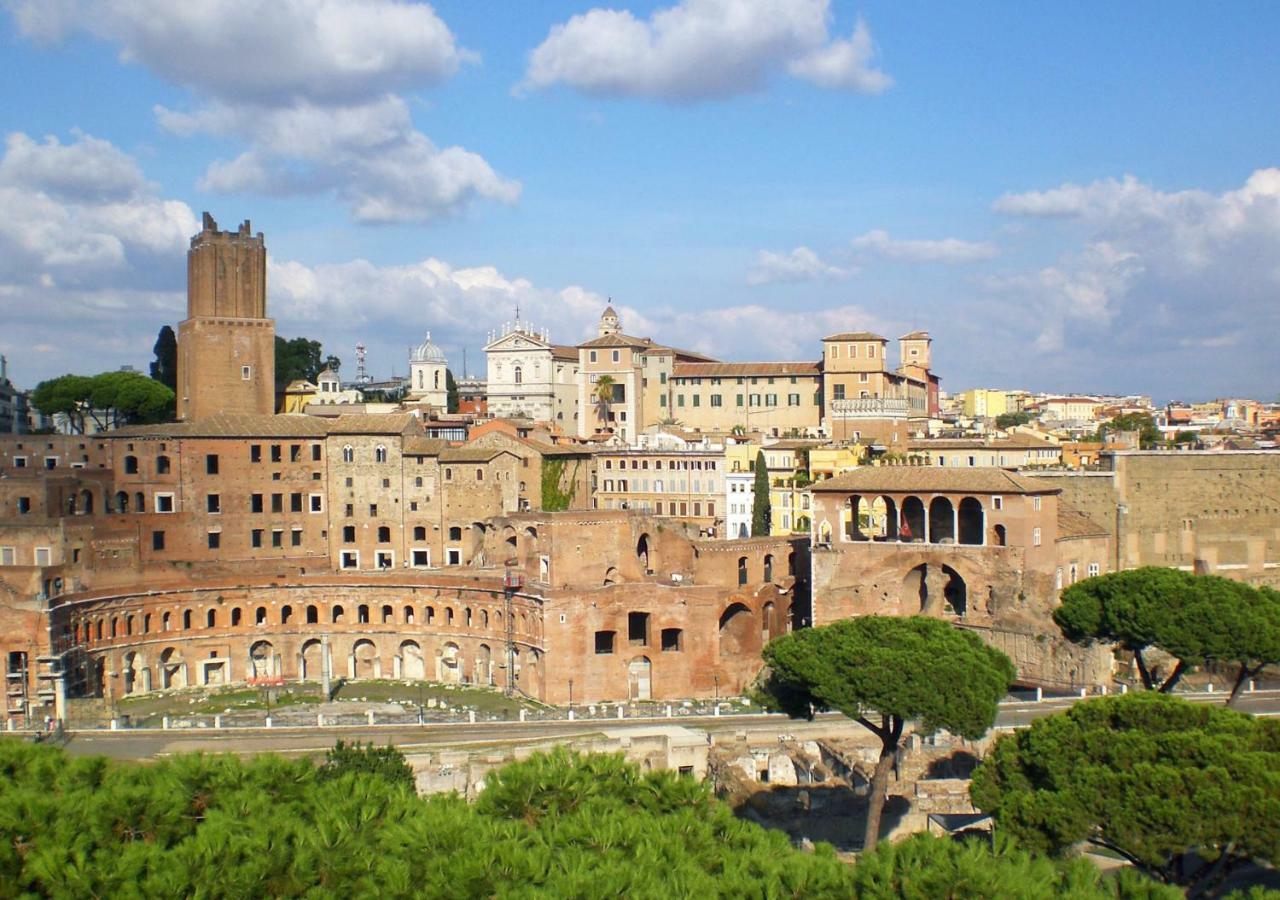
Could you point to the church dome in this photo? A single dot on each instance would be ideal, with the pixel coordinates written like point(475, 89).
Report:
point(428, 352)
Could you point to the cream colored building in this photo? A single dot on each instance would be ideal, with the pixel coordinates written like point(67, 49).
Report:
point(531, 377)
point(1021, 451)
point(428, 375)
point(683, 484)
point(776, 398)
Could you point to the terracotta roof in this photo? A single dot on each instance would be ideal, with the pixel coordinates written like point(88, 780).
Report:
point(471, 454)
point(934, 479)
point(856, 336)
point(1012, 442)
point(1073, 524)
point(564, 351)
point(615, 340)
point(232, 426)
point(793, 444)
point(372, 423)
point(424, 446)
point(737, 370)
point(645, 345)
point(916, 336)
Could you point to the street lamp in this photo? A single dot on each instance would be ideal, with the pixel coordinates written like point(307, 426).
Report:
point(570, 695)
point(716, 679)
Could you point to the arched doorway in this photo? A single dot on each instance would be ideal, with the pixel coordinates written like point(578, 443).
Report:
point(956, 593)
point(911, 528)
point(735, 630)
point(263, 660)
point(448, 664)
point(364, 660)
point(942, 521)
point(484, 665)
point(972, 521)
point(132, 669)
point(639, 674)
point(643, 554)
point(412, 664)
point(173, 671)
point(86, 503)
point(914, 595)
point(311, 660)
point(1001, 536)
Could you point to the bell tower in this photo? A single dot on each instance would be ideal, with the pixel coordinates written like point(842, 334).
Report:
point(226, 345)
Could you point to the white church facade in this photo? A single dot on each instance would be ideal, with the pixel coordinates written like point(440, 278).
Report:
point(530, 377)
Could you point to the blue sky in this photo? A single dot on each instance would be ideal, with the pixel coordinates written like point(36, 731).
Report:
point(1078, 197)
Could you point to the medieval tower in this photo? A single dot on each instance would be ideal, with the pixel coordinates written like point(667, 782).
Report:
point(226, 345)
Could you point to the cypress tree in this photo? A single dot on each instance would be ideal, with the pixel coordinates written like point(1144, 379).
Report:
point(761, 513)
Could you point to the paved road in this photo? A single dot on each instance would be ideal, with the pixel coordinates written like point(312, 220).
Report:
point(146, 743)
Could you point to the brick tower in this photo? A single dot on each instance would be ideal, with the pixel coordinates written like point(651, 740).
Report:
point(226, 345)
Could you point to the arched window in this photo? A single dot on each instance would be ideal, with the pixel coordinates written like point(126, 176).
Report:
point(139, 502)
point(380, 454)
point(348, 453)
point(519, 378)
point(131, 465)
point(419, 379)
point(437, 380)
point(768, 568)
point(186, 620)
point(337, 614)
point(313, 615)
point(362, 614)
point(162, 465)
point(235, 618)
point(286, 613)
point(211, 619)
point(260, 616)
point(742, 570)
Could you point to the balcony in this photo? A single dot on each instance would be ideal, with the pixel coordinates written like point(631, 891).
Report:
point(870, 408)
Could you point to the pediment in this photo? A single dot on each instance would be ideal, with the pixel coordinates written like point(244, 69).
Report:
point(516, 341)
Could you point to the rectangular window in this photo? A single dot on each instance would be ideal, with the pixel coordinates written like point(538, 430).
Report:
point(255, 453)
point(837, 392)
point(453, 557)
point(317, 503)
point(638, 629)
point(255, 537)
point(863, 378)
point(277, 503)
point(662, 399)
point(617, 355)
point(295, 452)
point(215, 540)
point(697, 399)
point(348, 534)
point(591, 355)
point(679, 399)
point(755, 400)
point(604, 642)
point(211, 463)
point(997, 503)
point(164, 502)
point(295, 537)
point(1035, 504)
point(1035, 537)
point(246, 372)
point(373, 510)
point(255, 503)
point(43, 556)
point(717, 400)
point(295, 503)
point(1094, 569)
point(315, 453)
point(737, 400)
point(277, 537)
point(275, 453)
point(770, 399)
point(793, 399)
point(7, 556)
point(213, 503)
point(157, 540)
point(350, 559)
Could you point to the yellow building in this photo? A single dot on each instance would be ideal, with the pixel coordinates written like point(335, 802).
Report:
point(982, 403)
point(297, 395)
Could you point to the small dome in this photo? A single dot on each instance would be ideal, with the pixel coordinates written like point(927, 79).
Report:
point(428, 352)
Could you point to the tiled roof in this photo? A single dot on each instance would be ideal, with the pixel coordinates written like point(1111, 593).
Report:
point(742, 369)
point(916, 336)
point(471, 454)
point(424, 446)
point(1012, 442)
point(645, 345)
point(934, 479)
point(1073, 524)
point(616, 340)
point(372, 423)
point(564, 351)
point(232, 426)
point(856, 336)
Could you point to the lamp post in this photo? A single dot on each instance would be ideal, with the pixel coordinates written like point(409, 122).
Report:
point(570, 695)
point(716, 679)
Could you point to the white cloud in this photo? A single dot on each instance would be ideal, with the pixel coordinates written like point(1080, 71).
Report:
point(310, 86)
point(699, 49)
point(947, 250)
point(369, 155)
point(1158, 272)
point(801, 264)
point(272, 53)
point(844, 65)
point(86, 244)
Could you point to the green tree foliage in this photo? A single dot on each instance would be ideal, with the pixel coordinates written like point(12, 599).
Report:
point(301, 358)
point(165, 367)
point(110, 399)
point(885, 671)
point(925, 867)
point(1008, 420)
point(1195, 618)
point(761, 508)
point(557, 825)
point(603, 398)
point(386, 763)
point(1185, 791)
point(451, 392)
point(1143, 423)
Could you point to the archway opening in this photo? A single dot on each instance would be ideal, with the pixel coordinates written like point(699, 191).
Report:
point(956, 592)
point(942, 522)
point(735, 630)
point(914, 593)
point(412, 664)
point(312, 660)
point(911, 528)
point(364, 660)
point(639, 678)
point(644, 555)
point(1001, 536)
point(972, 524)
